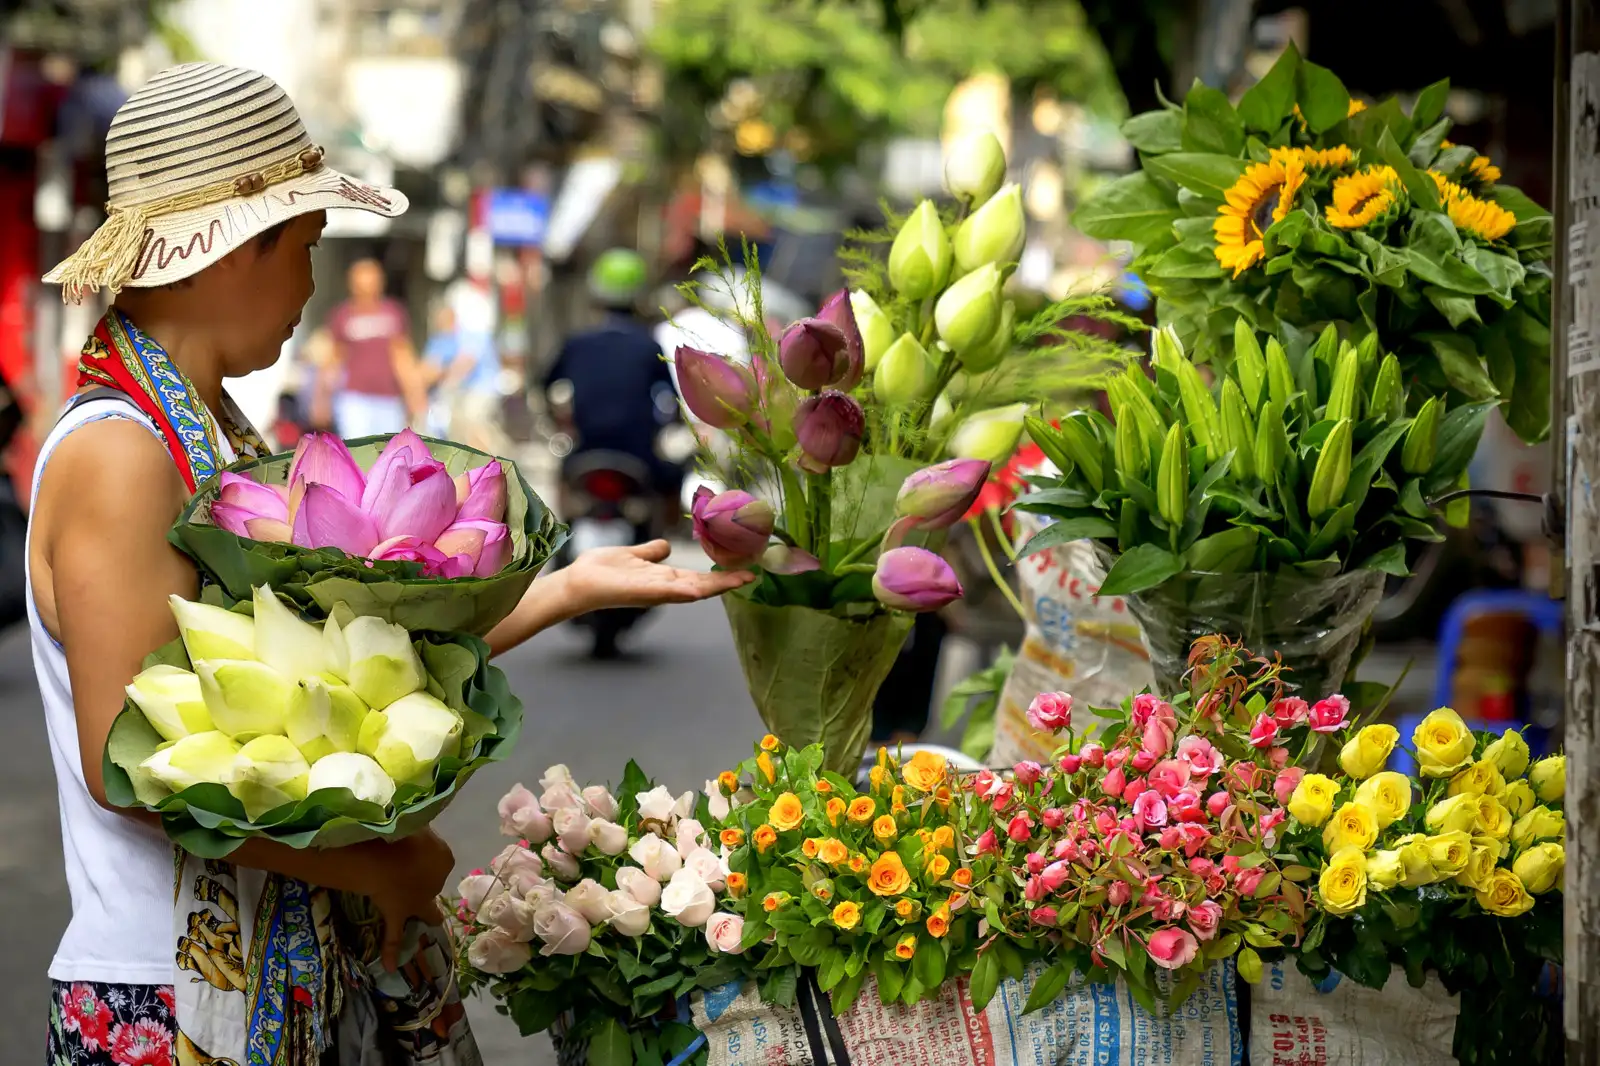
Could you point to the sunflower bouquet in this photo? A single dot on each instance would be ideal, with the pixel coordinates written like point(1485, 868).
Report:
point(1301, 207)
point(1455, 869)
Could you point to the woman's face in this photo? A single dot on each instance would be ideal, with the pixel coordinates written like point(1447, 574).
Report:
point(268, 288)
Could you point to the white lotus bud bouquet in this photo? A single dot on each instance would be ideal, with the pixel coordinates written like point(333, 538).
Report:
point(604, 914)
point(260, 723)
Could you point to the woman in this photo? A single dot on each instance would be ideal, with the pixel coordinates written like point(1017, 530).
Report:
point(217, 198)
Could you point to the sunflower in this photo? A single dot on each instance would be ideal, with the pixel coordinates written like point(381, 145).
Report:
point(1261, 196)
point(1448, 190)
point(1356, 107)
point(1363, 198)
point(1483, 219)
point(1336, 158)
point(1481, 173)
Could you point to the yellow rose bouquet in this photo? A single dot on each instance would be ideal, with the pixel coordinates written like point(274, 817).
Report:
point(1454, 870)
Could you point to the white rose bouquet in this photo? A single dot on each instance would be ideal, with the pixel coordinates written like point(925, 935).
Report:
point(605, 913)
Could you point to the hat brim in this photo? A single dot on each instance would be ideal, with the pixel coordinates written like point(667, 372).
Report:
point(181, 244)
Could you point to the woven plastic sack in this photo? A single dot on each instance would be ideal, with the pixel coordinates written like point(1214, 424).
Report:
point(1341, 1023)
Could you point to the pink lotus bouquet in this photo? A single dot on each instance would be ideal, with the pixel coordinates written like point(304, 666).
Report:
point(1153, 847)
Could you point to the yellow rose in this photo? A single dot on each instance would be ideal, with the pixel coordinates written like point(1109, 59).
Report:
point(1354, 826)
point(786, 812)
point(1443, 742)
point(1387, 795)
point(1518, 798)
point(1449, 853)
point(1384, 870)
point(1417, 868)
point(1504, 895)
point(925, 771)
point(1482, 778)
point(1499, 847)
point(1480, 866)
point(1541, 823)
point(1366, 753)
point(1549, 778)
point(1458, 813)
point(846, 915)
point(1312, 801)
point(1343, 885)
point(1493, 819)
point(1540, 867)
point(1509, 754)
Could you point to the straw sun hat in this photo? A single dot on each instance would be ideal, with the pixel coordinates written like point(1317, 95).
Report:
point(199, 160)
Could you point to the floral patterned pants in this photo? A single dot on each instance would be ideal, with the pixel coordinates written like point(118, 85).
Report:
point(95, 1024)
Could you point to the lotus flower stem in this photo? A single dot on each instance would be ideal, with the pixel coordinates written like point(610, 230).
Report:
point(796, 512)
point(855, 554)
point(1000, 534)
point(820, 500)
point(994, 571)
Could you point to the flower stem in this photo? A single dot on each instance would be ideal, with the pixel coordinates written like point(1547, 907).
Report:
point(820, 499)
point(1000, 533)
point(795, 511)
point(994, 572)
point(855, 553)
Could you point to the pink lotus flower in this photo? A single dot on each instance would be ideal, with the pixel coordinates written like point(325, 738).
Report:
point(1071, 764)
point(1150, 810)
point(487, 544)
point(1328, 715)
point(247, 508)
point(1027, 773)
point(1169, 777)
point(322, 459)
point(1118, 893)
point(938, 496)
point(1205, 918)
point(326, 518)
point(1046, 916)
point(1093, 754)
point(435, 563)
point(1286, 782)
point(813, 354)
point(732, 527)
point(481, 493)
point(1053, 817)
point(1202, 758)
point(1290, 711)
point(1187, 807)
point(1114, 782)
point(417, 500)
point(1173, 948)
point(1264, 732)
point(1020, 829)
point(914, 579)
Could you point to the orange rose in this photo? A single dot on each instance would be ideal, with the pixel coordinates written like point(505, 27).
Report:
point(858, 862)
point(769, 743)
point(765, 837)
point(939, 923)
point(925, 772)
point(963, 876)
point(846, 915)
point(737, 883)
point(774, 900)
point(938, 866)
point(833, 852)
point(897, 800)
point(944, 838)
point(941, 796)
point(884, 828)
point(889, 876)
point(764, 764)
point(862, 809)
point(907, 910)
point(906, 946)
point(732, 837)
point(822, 785)
point(809, 847)
point(787, 812)
point(836, 808)
point(729, 781)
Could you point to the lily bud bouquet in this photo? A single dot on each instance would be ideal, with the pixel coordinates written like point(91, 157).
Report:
point(874, 424)
point(257, 722)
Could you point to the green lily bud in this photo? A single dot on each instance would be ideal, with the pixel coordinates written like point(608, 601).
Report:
point(1280, 379)
point(1248, 363)
point(267, 773)
point(199, 758)
point(245, 698)
point(1166, 351)
point(1388, 400)
point(905, 374)
point(1130, 392)
point(919, 259)
point(1345, 393)
point(994, 233)
point(987, 356)
point(1422, 438)
point(1272, 442)
point(1172, 479)
point(877, 332)
point(975, 168)
point(1200, 410)
point(1332, 474)
point(1238, 433)
point(991, 435)
point(1326, 350)
point(1133, 457)
point(969, 310)
point(171, 701)
point(1457, 513)
point(1367, 354)
point(1081, 446)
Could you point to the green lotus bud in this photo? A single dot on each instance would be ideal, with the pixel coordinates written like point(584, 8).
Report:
point(199, 758)
point(1238, 432)
point(906, 373)
point(987, 356)
point(1280, 379)
point(1332, 474)
point(1272, 442)
point(171, 701)
point(324, 718)
point(1457, 513)
point(359, 773)
point(1248, 363)
point(383, 664)
point(1422, 438)
point(212, 633)
point(1166, 351)
point(994, 233)
point(1080, 444)
point(286, 642)
point(877, 332)
point(1344, 394)
point(1388, 400)
point(975, 167)
point(919, 259)
point(1172, 478)
point(267, 773)
point(991, 435)
point(969, 310)
point(410, 736)
point(944, 410)
point(1132, 454)
point(246, 698)
point(1205, 425)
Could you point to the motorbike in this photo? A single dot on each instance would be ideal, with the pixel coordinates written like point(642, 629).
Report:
point(609, 503)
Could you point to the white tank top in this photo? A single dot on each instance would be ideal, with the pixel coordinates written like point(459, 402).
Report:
point(119, 871)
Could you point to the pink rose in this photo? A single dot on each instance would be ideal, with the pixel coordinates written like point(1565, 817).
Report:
point(1201, 756)
point(1055, 875)
point(1286, 782)
point(1186, 806)
point(1150, 810)
point(1158, 736)
point(1050, 711)
point(1116, 757)
point(1169, 776)
point(1245, 776)
point(1035, 862)
point(691, 836)
point(1027, 773)
point(510, 915)
point(658, 858)
point(495, 952)
point(1000, 794)
point(1328, 715)
point(1034, 890)
point(987, 843)
point(1114, 782)
point(560, 796)
point(1290, 711)
point(708, 867)
point(521, 816)
point(1264, 731)
point(479, 888)
point(1144, 707)
point(1118, 893)
point(1247, 881)
point(1132, 790)
point(1173, 948)
point(1278, 757)
point(601, 802)
point(627, 915)
point(560, 863)
point(1053, 817)
point(688, 899)
point(514, 859)
point(1142, 761)
point(1205, 918)
point(563, 930)
point(573, 829)
point(1093, 754)
point(1045, 916)
point(1218, 802)
point(1020, 829)
point(609, 838)
point(1272, 819)
point(1066, 849)
point(983, 782)
point(588, 898)
point(1170, 838)
point(1071, 764)
point(725, 933)
point(1105, 822)
point(1164, 908)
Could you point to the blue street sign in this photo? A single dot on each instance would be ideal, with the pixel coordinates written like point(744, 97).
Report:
point(518, 216)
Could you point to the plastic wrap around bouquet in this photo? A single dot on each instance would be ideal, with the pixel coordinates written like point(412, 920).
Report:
point(257, 723)
point(423, 533)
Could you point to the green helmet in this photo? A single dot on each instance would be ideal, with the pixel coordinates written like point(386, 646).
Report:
point(617, 277)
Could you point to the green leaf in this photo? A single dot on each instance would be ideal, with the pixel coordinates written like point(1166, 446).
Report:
point(1369, 460)
point(1142, 995)
point(1418, 184)
point(985, 980)
point(1228, 552)
point(1134, 208)
point(1050, 985)
point(1338, 526)
point(1155, 132)
point(1461, 364)
point(1459, 433)
point(634, 782)
point(1066, 531)
point(1430, 104)
point(1269, 101)
point(1519, 203)
point(1141, 567)
point(1206, 173)
point(831, 972)
point(1323, 100)
point(1457, 308)
point(927, 965)
point(1391, 560)
point(891, 980)
point(1210, 124)
point(609, 1045)
point(845, 993)
point(1198, 261)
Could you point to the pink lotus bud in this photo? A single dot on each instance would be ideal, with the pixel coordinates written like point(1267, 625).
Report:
point(326, 518)
point(1114, 782)
point(829, 427)
point(1093, 754)
point(1218, 802)
point(914, 579)
point(987, 843)
point(1264, 731)
point(1053, 817)
point(435, 563)
point(717, 392)
point(322, 459)
point(251, 498)
point(390, 475)
point(1328, 715)
point(1142, 761)
point(481, 493)
point(1036, 862)
point(838, 311)
point(813, 354)
point(939, 496)
point(1118, 893)
point(1071, 764)
point(1045, 916)
point(732, 527)
point(782, 559)
point(418, 501)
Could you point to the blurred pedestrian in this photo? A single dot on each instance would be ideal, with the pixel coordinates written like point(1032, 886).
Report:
point(462, 372)
point(372, 383)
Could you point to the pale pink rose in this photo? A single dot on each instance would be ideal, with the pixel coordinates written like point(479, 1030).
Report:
point(516, 861)
point(683, 806)
point(495, 952)
point(1286, 782)
point(521, 816)
point(609, 838)
point(510, 915)
point(572, 829)
point(535, 889)
point(560, 863)
point(640, 885)
point(688, 899)
point(563, 930)
point(1050, 711)
point(1200, 754)
point(1290, 711)
point(627, 915)
point(559, 797)
point(725, 932)
point(716, 801)
point(656, 805)
point(1328, 715)
point(602, 804)
point(1205, 918)
point(558, 775)
point(656, 857)
point(708, 867)
point(588, 898)
point(478, 889)
point(691, 835)
point(1264, 733)
point(1150, 810)
point(1173, 948)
